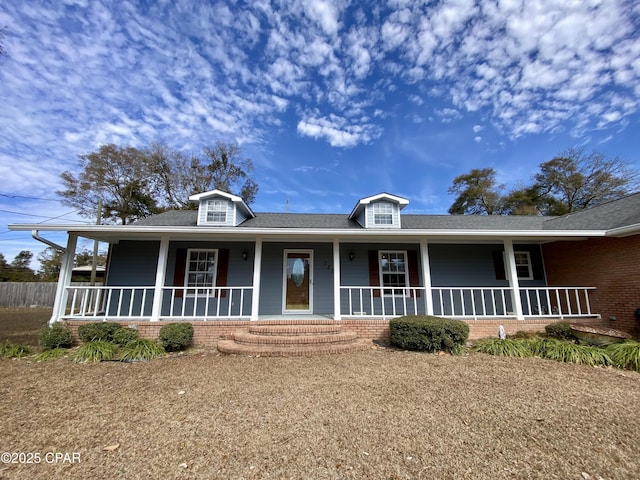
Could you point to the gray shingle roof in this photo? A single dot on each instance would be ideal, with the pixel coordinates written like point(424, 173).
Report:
point(615, 214)
point(619, 213)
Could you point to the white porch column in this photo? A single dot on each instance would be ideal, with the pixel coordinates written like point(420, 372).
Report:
point(426, 276)
point(64, 279)
point(336, 280)
point(512, 276)
point(161, 272)
point(257, 270)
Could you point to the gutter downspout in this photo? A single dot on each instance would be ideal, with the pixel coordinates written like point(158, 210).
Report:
point(36, 235)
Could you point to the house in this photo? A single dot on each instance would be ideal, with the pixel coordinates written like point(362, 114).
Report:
point(224, 266)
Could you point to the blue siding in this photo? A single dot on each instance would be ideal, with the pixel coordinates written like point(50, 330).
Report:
point(133, 263)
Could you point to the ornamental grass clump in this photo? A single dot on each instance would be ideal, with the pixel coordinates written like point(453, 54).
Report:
point(10, 350)
point(504, 347)
point(141, 349)
point(625, 355)
point(569, 352)
point(51, 354)
point(429, 334)
point(95, 351)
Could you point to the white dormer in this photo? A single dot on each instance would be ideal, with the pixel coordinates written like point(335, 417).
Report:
point(379, 211)
point(218, 208)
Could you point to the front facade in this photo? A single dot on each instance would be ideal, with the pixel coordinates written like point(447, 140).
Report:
point(225, 263)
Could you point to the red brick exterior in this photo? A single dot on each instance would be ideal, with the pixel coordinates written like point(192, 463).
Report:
point(207, 334)
point(612, 265)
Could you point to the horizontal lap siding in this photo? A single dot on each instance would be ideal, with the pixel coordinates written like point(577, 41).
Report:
point(133, 263)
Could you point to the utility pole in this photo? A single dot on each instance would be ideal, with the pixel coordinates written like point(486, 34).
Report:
point(94, 260)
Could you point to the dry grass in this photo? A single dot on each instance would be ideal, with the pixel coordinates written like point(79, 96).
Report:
point(22, 325)
point(377, 414)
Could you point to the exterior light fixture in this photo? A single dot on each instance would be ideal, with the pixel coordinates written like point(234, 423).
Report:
point(244, 255)
point(351, 256)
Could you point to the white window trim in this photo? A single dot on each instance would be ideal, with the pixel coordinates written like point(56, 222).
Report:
point(529, 264)
point(187, 270)
point(406, 274)
point(225, 210)
point(383, 206)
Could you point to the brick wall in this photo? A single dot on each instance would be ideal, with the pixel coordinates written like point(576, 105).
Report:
point(612, 265)
point(207, 334)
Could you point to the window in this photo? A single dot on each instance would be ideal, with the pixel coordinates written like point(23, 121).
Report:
point(382, 214)
point(217, 211)
point(523, 265)
point(201, 269)
point(393, 272)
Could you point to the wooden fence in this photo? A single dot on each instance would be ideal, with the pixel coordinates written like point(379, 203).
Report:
point(27, 294)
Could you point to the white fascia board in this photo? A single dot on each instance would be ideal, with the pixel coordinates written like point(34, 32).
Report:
point(625, 231)
point(127, 230)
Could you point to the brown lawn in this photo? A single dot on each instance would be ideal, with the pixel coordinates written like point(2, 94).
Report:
point(22, 325)
point(380, 414)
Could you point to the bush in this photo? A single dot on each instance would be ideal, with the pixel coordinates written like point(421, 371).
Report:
point(55, 336)
point(141, 349)
point(176, 336)
point(560, 331)
point(104, 331)
point(625, 355)
point(124, 336)
point(430, 334)
point(95, 351)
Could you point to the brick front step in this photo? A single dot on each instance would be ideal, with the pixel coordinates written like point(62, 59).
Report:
point(229, 346)
point(297, 339)
point(302, 338)
point(291, 330)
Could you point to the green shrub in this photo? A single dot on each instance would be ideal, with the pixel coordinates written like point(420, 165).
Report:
point(124, 336)
point(55, 336)
point(90, 332)
point(176, 336)
point(9, 350)
point(523, 335)
point(504, 348)
point(560, 331)
point(430, 334)
point(51, 354)
point(141, 349)
point(625, 355)
point(95, 351)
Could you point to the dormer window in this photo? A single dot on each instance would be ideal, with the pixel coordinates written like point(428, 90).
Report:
point(382, 213)
point(216, 211)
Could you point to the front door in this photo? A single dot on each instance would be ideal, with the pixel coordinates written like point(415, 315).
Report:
point(298, 273)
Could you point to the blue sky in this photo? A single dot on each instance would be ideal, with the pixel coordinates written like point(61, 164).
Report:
point(333, 101)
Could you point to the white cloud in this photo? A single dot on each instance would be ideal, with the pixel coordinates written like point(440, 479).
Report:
point(338, 131)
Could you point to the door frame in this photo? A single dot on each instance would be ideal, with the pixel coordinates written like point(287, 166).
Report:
point(285, 256)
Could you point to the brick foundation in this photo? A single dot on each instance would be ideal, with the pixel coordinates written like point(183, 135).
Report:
point(610, 265)
point(207, 334)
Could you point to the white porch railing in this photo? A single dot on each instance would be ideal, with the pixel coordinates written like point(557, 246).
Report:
point(466, 302)
point(102, 302)
point(366, 301)
point(563, 302)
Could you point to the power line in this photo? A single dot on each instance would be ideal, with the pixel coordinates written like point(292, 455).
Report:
point(44, 216)
point(30, 198)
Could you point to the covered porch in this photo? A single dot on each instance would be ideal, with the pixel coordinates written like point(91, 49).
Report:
point(340, 282)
